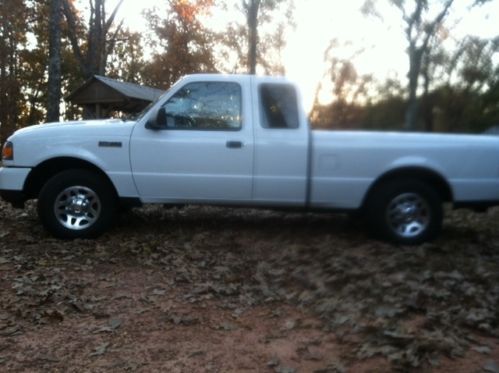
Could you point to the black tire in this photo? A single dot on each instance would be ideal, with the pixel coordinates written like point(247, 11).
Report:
point(407, 212)
point(76, 204)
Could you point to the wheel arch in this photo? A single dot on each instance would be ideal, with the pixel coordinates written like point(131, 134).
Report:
point(426, 175)
point(40, 174)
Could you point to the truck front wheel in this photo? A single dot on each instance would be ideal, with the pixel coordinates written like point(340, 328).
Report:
point(76, 204)
point(405, 211)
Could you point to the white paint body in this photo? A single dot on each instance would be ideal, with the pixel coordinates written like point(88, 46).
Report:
point(274, 167)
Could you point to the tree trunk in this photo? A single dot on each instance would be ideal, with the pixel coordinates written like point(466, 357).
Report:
point(411, 114)
point(54, 78)
point(252, 18)
point(93, 58)
point(12, 31)
point(427, 98)
point(73, 38)
point(3, 81)
point(419, 33)
point(98, 39)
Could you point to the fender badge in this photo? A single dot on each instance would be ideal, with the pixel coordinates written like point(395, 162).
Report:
point(110, 144)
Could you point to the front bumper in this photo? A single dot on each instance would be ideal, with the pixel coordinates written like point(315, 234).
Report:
point(12, 181)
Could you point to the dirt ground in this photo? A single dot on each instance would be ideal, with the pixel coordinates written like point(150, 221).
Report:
point(203, 289)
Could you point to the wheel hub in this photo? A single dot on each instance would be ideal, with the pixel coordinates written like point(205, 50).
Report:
point(407, 211)
point(78, 205)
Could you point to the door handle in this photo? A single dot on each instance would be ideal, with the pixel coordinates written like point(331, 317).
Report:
point(234, 144)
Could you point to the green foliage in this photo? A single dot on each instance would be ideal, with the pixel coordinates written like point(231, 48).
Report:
point(126, 61)
point(460, 90)
point(386, 114)
point(13, 42)
point(269, 25)
point(182, 43)
point(468, 100)
point(448, 90)
point(454, 108)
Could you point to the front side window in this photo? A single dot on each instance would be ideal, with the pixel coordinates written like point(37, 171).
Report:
point(279, 106)
point(205, 106)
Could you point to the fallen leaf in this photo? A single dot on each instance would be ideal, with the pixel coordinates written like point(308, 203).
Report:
point(482, 349)
point(48, 359)
point(388, 311)
point(274, 362)
point(54, 315)
point(312, 354)
point(398, 336)
point(197, 353)
point(100, 314)
point(100, 350)
point(77, 306)
point(227, 326)
point(281, 369)
point(333, 367)
point(185, 320)
point(11, 331)
point(159, 292)
point(115, 323)
point(290, 324)
point(491, 367)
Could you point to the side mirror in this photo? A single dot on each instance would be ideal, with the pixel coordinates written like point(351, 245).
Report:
point(158, 122)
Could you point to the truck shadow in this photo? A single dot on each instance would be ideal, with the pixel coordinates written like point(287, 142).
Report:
point(290, 226)
point(220, 219)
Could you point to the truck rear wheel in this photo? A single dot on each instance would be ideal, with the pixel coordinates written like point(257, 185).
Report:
point(76, 204)
point(405, 211)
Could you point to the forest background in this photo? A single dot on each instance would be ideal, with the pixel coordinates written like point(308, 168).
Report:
point(447, 80)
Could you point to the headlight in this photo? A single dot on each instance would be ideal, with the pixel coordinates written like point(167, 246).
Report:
point(8, 151)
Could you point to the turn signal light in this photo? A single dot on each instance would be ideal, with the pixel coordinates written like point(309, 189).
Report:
point(8, 151)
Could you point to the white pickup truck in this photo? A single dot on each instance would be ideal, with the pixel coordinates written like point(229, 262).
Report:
point(244, 141)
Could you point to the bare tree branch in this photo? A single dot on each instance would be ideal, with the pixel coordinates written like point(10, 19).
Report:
point(111, 18)
point(438, 20)
point(70, 18)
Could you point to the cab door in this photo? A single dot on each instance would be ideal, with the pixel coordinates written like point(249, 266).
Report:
point(281, 145)
point(204, 153)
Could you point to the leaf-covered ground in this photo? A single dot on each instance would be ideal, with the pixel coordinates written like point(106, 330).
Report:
point(204, 289)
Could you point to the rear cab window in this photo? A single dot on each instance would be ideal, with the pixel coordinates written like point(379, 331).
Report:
point(278, 106)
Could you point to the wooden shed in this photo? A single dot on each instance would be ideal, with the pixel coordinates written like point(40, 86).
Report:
point(99, 96)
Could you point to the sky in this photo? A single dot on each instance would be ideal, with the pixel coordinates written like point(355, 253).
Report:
point(319, 21)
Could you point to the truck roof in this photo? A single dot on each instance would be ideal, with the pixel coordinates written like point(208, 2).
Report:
point(240, 77)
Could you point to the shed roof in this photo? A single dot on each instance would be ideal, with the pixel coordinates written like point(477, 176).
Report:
point(131, 89)
point(126, 89)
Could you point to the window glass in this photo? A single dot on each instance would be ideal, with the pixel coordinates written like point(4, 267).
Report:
point(279, 106)
point(205, 106)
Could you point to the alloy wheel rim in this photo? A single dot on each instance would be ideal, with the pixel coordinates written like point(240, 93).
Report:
point(408, 215)
point(77, 207)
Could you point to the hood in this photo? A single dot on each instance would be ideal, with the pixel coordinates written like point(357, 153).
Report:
point(77, 128)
